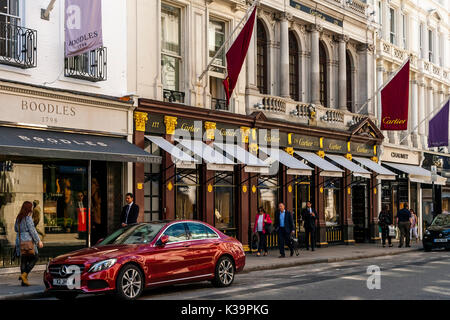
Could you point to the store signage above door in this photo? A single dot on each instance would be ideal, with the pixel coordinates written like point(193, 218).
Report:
point(395, 155)
point(305, 142)
point(361, 149)
point(316, 13)
point(34, 110)
point(155, 124)
point(335, 146)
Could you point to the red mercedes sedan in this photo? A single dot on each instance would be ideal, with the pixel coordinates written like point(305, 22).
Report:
point(147, 255)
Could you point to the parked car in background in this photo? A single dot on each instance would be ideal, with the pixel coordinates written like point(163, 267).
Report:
point(437, 235)
point(147, 255)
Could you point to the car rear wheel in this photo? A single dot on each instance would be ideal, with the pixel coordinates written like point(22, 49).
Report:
point(224, 274)
point(65, 296)
point(130, 282)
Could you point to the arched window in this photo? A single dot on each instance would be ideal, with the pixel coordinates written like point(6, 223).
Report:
point(323, 75)
point(261, 61)
point(293, 67)
point(349, 82)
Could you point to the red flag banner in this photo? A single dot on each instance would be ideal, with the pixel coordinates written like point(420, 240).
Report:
point(236, 55)
point(394, 101)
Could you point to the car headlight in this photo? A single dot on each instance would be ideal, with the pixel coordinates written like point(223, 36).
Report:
point(102, 265)
point(427, 232)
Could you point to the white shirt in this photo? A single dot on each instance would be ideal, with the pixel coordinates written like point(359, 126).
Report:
point(260, 222)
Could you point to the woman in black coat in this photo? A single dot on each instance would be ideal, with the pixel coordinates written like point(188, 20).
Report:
point(384, 221)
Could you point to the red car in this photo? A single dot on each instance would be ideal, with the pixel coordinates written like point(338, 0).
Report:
point(147, 255)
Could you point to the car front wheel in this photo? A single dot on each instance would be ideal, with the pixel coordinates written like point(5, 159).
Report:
point(130, 283)
point(224, 274)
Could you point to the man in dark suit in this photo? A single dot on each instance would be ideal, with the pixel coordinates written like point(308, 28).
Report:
point(284, 224)
point(130, 212)
point(309, 216)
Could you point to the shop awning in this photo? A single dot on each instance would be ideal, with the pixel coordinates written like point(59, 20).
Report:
point(64, 145)
point(356, 170)
point(416, 173)
point(180, 158)
point(327, 169)
point(382, 172)
point(251, 162)
point(214, 159)
point(295, 166)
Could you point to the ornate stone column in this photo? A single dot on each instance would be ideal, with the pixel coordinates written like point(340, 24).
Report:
point(422, 111)
point(414, 113)
point(284, 54)
point(342, 47)
point(315, 30)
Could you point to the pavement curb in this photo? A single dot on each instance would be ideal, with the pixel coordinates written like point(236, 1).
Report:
point(325, 260)
point(26, 295)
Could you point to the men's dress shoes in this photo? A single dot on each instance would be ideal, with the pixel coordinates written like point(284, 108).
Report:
point(313, 249)
point(307, 249)
point(292, 253)
point(400, 246)
point(408, 246)
point(281, 256)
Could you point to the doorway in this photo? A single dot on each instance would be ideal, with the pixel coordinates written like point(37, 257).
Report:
point(360, 214)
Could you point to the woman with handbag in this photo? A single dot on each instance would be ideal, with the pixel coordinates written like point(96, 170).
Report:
point(262, 227)
point(27, 241)
point(385, 221)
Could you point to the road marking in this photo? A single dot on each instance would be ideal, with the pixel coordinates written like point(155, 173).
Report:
point(437, 290)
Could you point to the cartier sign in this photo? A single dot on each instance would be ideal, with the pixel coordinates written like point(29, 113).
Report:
point(34, 110)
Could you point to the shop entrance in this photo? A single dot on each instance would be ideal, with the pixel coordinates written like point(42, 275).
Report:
point(360, 213)
point(302, 194)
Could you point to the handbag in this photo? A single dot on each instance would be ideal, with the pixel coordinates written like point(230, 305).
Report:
point(268, 228)
point(392, 231)
point(26, 247)
point(254, 242)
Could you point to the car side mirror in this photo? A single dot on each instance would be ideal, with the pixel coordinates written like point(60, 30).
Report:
point(162, 241)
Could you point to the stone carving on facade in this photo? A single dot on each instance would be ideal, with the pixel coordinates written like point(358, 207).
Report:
point(140, 119)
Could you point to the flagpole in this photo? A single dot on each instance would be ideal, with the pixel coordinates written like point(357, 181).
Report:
point(426, 118)
point(382, 87)
point(229, 38)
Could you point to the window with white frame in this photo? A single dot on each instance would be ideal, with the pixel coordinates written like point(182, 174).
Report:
point(9, 18)
point(392, 32)
point(170, 47)
point(380, 13)
point(421, 30)
point(430, 45)
point(216, 38)
point(405, 30)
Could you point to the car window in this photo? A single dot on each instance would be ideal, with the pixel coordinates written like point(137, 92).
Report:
point(211, 233)
point(442, 220)
point(176, 233)
point(136, 234)
point(197, 231)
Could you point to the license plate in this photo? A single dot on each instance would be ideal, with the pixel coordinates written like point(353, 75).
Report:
point(440, 240)
point(62, 282)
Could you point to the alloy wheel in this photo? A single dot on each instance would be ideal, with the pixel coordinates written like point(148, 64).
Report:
point(131, 283)
point(226, 271)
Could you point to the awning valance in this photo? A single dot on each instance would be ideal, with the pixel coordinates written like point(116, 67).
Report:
point(327, 169)
point(251, 162)
point(416, 173)
point(180, 158)
point(295, 166)
point(356, 170)
point(214, 159)
point(63, 145)
point(382, 172)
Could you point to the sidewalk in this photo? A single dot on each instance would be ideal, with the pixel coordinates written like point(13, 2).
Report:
point(10, 285)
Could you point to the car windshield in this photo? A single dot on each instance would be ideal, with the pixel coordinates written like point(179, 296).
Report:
point(136, 234)
point(442, 220)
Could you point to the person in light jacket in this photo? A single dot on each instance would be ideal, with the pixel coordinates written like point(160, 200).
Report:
point(24, 222)
point(262, 218)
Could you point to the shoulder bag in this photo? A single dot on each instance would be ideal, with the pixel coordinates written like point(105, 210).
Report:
point(26, 247)
point(268, 227)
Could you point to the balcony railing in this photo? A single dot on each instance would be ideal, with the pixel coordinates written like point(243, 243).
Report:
point(90, 66)
point(173, 96)
point(18, 46)
point(219, 104)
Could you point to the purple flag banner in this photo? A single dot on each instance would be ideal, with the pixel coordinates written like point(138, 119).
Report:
point(83, 25)
point(438, 128)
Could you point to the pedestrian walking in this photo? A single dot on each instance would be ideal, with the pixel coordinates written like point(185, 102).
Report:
point(414, 223)
point(385, 221)
point(284, 225)
point(27, 241)
point(130, 212)
point(262, 227)
point(309, 216)
point(404, 225)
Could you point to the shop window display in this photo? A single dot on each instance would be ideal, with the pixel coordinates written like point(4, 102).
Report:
point(332, 198)
point(186, 194)
point(224, 201)
point(268, 195)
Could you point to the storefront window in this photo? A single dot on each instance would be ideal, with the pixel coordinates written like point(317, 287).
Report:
point(152, 186)
point(301, 196)
point(332, 199)
point(268, 195)
point(224, 201)
point(186, 194)
point(445, 199)
point(427, 206)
